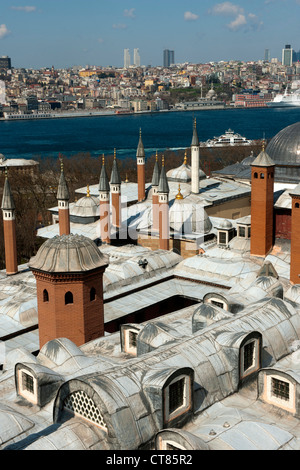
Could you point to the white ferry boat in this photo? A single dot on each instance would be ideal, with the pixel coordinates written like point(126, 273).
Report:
point(286, 100)
point(23, 116)
point(54, 115)
point(227, 139)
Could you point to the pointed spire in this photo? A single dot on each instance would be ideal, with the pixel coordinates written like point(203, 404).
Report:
point(156, 172)
point(263, 158)
point(104, 181)
point(140, 150)
point(115, 175)
point(62, 190)
point(163, 186)
point(195, 140)
point(7, 198)
point(185, 158)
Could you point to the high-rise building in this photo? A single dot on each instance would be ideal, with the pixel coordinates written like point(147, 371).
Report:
point(267, 55)
point(5, 63)
point(287, 56)
point(136, 58)
point(126, 58)
point(169, 58)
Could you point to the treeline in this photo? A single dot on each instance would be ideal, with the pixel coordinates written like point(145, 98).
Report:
point(35, 193)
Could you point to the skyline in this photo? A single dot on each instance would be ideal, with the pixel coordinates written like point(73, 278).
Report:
point(96, 32)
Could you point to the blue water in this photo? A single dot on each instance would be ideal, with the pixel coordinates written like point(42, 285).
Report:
point(160, 131)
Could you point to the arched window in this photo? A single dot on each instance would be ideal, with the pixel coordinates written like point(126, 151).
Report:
point(92, 294)
point(297, 205)
point(68, 298)
point(255, 175)
point(250, 354)
point(262, 176)
point(45, 296)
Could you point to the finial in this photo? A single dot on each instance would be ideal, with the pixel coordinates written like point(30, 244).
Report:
point(156, 157)
point(263, 145)
point(88, 194)
point(6, 172)
point(195, 123)
point(115, 154)
point(103, 160)
point(126, 179)
point(140, 132)
point(179, 195)
point(163, 160)
point(185, 158)
point(61, 163)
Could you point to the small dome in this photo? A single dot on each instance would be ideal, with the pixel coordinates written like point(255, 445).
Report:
point(225, 225)
point(188, 217)
point(68, 254)
point(87, 206)
point(183, 174)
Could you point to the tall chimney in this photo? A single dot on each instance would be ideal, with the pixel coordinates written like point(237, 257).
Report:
point(104, 196)
point(115, 188)
point(63, 203)
point(163, 199)
point(195, 161)
point(155, 197)
point(9, 229)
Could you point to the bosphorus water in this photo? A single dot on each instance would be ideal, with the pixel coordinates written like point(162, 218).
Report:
point(160, 131)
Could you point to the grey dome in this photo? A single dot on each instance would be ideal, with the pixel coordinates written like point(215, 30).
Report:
point(87, 206)
point(284, 150)
point(68, 254)
point(183, 174)
point(225, 224)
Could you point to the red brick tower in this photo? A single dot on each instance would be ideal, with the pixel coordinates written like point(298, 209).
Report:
point(295, 236)
point(140, 157)
point(104, 196)
point(262, 204)
point(69, 272)
point(115, 188)
point(9, 229)
point(63, 204)
point(163, 198)
point(155, 197)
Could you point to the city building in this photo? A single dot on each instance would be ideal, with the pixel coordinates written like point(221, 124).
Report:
point(287, 56)
point(126, 58)
point(5, 63)
point(168, 58)
point(136, 58)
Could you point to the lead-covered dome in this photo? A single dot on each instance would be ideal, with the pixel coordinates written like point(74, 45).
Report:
point(68, 254)
point(284, 150)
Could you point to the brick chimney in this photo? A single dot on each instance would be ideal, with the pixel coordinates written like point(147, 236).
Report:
point(295, 236)
point(262, 204)
point(115, 188)
point(155, 197)
point(104, 196)
point(9, 229)
point(163, 199)
point(140, 157)
point(63, 204)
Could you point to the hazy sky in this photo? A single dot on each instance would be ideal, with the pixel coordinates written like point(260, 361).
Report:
point(95, 32)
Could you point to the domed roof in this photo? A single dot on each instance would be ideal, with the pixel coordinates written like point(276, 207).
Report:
point(68, 254)
point(225, 224)
point(87, 206)
point(284, 150)
point(183, 174)
point(188, 217)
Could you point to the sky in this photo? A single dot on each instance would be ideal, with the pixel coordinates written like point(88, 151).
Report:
point(66, 33)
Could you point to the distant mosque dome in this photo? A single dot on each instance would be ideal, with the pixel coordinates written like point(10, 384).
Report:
point(68, 254)
point(284, 150)
point(183, 174)
point(188, 217)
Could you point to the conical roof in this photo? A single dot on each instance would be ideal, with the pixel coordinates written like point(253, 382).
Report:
point(7, 198)
point(62, 190)
point(195, 140)
point(115, 175)
point(104, 181)
point(163, 186)
point(156, 174)
point(140, 150)
point(263, 159)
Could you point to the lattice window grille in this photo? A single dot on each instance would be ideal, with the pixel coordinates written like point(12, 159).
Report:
point(82, 405)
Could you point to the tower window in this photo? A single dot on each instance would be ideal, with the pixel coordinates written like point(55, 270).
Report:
point(262, 176)
point(297, 205)
point(92, 294)
point(45, 296)
point(177, 397)
point(255, 175)
point(68, 298)
point(280, 389)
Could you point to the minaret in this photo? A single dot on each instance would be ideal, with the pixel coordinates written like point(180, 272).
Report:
point(140, 157)
point(195, 161)
point(163, 199)
point(9, 229)
point(295, 236)
point(262, 204)
point(104, 196)
point(63, 204)
point(155, 197)
point(115, 188)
